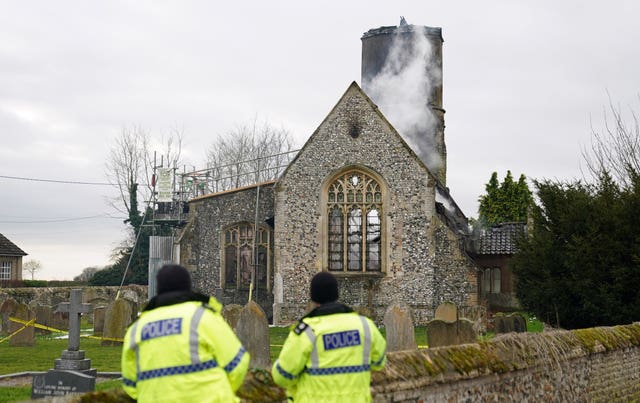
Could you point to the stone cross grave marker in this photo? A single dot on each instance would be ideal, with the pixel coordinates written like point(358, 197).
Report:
point(72, 373)
point(75, 308)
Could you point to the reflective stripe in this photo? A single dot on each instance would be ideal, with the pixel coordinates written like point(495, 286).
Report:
point(314, 352)
point(128, 382)
point(379, 362)
point(338, 370)
point(193, 335)
point(366, 347)
point(284, 373)
point(134, 346)
point(236, 360)
point(178, 370)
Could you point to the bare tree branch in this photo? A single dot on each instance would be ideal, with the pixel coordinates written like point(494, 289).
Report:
point(248, 154)
point(126, 165)
point(32, 266)
point(615, 149)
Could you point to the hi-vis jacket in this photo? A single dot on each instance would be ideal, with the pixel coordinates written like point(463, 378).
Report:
point(182, 352)
point(328, 356)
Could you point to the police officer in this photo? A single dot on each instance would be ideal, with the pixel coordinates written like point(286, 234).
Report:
point(328, 356)
point(181, 349)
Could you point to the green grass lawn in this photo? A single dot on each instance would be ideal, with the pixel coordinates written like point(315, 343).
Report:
point(42, 356)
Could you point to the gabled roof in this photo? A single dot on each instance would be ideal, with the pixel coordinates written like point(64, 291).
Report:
point(500, 239)
point(354, 87)
point(8, 248)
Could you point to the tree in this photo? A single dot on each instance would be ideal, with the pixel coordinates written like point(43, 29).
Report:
point(86, 274)
point(580, 266)
point(32, 266)
point(506, 202)
point(615, 149)
point(130, 168)
point(248, 154)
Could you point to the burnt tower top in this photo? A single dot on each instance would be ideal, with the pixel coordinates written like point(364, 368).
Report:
point(402, 73)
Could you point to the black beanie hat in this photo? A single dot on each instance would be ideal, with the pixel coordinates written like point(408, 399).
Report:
point(324, 288)
point(172, 277)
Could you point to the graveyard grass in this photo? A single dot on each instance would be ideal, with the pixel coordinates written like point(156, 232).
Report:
point(103, 358)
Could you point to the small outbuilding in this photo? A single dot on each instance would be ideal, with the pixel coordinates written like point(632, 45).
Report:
point(10, 260)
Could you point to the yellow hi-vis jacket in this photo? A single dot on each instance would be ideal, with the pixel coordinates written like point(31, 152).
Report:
point(184, 352)
point(328, 358)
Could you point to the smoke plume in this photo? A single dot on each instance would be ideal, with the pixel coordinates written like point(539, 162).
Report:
point(404, 87)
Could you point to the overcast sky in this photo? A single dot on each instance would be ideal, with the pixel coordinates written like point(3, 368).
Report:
point(522, 82)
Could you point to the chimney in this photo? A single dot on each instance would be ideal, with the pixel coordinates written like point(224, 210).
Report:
point(402, 74)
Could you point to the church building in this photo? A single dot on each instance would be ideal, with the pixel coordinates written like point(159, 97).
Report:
point(365, 198)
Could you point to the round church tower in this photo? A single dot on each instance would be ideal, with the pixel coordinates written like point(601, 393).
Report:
point(402, 74)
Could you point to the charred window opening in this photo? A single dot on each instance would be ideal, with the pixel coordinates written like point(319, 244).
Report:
point(239, 245)
point(354, 212)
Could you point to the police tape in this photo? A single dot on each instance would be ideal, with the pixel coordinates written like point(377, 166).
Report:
point(29, 323)
point(52, 329)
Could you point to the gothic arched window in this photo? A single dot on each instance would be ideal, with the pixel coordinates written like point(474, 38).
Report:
point(354, 217)
point(238, 259)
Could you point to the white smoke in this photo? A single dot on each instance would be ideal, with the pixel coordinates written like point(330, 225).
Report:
point(402, 89)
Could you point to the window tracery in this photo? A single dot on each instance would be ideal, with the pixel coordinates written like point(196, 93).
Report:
point(238, 256)
point(354, 211)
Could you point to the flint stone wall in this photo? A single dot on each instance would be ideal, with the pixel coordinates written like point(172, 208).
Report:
point(200, 243)
point(424, 261)
point(598, 364)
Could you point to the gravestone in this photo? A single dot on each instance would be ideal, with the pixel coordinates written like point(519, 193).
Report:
point(44, 314)
point(72, 373)
point(26, 336)
point(399, 328)
point(253, 331)
point(477, 314)
point(98, 320)
point(441, 333)
point(231, 313)
point(447, 312)
point(60, 320)
point(509, 323)
point(499, 324)
point(117, 318)
point(7, 309)
point(519, 323)
point(73, 358)
point(60, 383)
